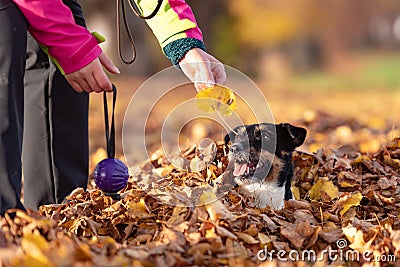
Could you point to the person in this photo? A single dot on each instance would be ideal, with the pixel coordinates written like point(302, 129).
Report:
point(51, 154)
point(55, 134)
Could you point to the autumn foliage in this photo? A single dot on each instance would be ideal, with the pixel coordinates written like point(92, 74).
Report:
point(342, 195)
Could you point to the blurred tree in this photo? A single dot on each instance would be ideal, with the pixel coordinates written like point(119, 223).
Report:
point(306, 33)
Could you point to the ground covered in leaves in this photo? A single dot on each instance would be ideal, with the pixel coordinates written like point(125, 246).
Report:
point(346, 213)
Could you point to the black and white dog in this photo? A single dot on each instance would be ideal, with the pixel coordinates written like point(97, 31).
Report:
point(260, 160)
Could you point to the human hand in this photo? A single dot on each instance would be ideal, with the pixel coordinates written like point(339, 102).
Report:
point(92, 77)
point(202, 69)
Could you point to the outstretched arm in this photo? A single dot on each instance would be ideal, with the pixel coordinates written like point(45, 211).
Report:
point(176, 30)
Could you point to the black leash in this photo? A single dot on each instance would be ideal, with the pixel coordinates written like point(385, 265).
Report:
point(136, 11)
point(110, 132)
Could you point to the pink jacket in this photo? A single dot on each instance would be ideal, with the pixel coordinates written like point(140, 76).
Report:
point(51, 23)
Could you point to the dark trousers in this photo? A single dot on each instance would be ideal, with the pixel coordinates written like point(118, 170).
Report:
point(55, 144)
point(12, 64)
point(52, 117)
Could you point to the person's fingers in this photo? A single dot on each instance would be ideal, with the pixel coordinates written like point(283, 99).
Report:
point(219, 73)
point(84, 85)
point(92, 82)
point(102, 80)
point(75, 85)
point(108, 64)
point(202, 69)
point(207, 76)
point(203, 77)
point(197, 82)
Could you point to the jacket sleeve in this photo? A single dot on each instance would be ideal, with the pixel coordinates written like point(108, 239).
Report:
point(52, 24)
point(174, 26)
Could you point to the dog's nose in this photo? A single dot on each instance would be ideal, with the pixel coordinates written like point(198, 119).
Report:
point(234, 148)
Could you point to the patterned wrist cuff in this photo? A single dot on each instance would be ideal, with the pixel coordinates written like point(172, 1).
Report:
point(177, 49)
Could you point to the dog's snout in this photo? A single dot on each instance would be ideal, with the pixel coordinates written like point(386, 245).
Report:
point(235, 148)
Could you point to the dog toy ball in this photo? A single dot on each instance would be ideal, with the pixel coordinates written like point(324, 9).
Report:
point(111, 174)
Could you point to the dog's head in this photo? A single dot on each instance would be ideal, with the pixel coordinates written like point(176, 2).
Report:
point(261, 154)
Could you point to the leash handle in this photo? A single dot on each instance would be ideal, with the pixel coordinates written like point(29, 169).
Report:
point(110, 130)
point(135, 9)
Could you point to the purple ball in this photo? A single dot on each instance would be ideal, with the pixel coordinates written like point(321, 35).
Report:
point(111, 175)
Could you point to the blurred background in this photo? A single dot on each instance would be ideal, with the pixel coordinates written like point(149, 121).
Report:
point(334, 63)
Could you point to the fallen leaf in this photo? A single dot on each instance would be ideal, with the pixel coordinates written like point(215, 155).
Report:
point(246, 238)
point(324, 190)
point(214, 206)
point(352, 201)
point(225, 233)
point(356, 239)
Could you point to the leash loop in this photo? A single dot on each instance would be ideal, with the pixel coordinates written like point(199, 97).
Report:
point(110, 130)
point(136, 11)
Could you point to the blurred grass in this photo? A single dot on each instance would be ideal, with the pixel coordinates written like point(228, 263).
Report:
point(358, 72)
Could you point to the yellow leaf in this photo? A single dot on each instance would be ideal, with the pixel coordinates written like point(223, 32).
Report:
point(32, 260)
point(137, 209)
point(356, 238)
point(264, 239)
point(346, 184)
point(107, 241)
point(296, 192)
point(207, 197)
point(360, 159)
point(210, 233)
point(216, 98)
point(34, 239)
point(354, 200)
point(35, 246)
point(214, 207)
point(82, 252)
point(323, 188)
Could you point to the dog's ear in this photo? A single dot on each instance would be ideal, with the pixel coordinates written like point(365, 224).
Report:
point(289, 137)
point(227, 138)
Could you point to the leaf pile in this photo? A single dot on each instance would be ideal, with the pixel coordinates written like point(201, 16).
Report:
point(346, 201)
point(330, 131)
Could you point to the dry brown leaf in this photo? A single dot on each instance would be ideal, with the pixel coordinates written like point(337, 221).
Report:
point(297, 204)
point(225, 233)
point(139, 254)
point(214, 207)
point(252, 230)
point(246, 238)
point(178, 216)
point(331, 236)
point(200, 248)
point(170, 236)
